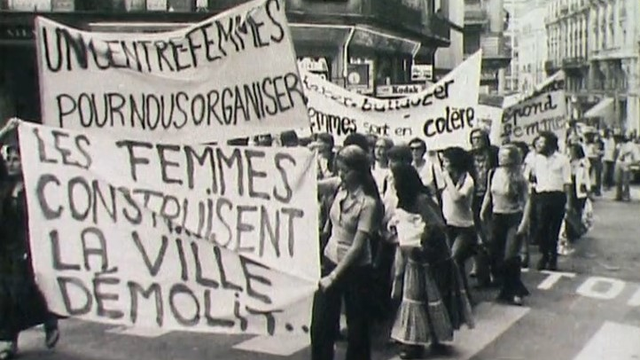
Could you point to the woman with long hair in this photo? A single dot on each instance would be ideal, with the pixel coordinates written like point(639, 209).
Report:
point(354, 216)
point(22, 305)
point(457, 200)
point(507, 204)
point(423, 317)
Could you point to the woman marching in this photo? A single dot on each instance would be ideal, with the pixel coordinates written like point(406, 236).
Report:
point(425, 315)
point(22, 305)
point(354, 216)
point(506, 204)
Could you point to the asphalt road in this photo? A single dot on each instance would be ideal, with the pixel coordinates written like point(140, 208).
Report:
point(589, 310)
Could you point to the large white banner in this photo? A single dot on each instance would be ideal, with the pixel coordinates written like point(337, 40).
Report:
point(178, 237)
point(443, 115)
point(232, 75)
point(543, 110)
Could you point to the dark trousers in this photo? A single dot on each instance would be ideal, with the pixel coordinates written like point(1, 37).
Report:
point(505, 248)
point(596, 174)
point(22, 304)
point(354, 289)
point(550, 209)
point(607, 174)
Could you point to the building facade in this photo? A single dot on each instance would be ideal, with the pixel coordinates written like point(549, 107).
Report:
point(484, 26)
point(528, 66)
point(385, 38)
point(448, 58)
point(596, 43)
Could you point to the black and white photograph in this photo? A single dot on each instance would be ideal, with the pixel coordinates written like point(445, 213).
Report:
point(320, 179)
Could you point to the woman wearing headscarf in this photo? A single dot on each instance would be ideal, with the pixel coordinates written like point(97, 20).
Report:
point(354, 218)
point(22, 305)
point(507, 204)
point(423, 317)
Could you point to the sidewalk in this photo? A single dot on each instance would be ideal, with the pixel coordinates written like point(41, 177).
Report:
point(612, 246)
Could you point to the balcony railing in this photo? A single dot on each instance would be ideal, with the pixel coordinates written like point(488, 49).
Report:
point(574, 62)
point(474, 14)
point(495, 47)
point(401, 16)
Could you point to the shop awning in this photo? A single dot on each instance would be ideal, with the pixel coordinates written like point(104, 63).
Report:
point(602, 109)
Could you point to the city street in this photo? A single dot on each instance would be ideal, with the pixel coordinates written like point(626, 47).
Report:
point(588, 310)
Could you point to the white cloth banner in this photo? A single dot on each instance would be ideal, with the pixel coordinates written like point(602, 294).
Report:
point(543, 110)
point(443, 115)
point(178, 237)
point(233, 75)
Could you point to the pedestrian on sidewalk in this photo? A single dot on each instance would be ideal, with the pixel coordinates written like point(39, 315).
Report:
point(595, 150)
point(506, 205)
point(608, 159)
point(627, 155)
point(22, 304)
point(551, 171)
point(580, 191)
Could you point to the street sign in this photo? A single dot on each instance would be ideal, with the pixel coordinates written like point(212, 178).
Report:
point(421, 72)
point(386, 91)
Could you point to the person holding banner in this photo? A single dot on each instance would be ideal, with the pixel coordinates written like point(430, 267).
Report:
point(354, 216)
point(551, 171)
point(22, 305)
point(506, 205)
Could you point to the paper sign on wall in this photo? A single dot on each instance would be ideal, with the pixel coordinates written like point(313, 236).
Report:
point(178, 237)
point(232, 75)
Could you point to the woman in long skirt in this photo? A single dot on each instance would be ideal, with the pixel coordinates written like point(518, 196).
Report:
point(424, 317)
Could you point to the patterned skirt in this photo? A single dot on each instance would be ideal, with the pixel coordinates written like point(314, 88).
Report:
point(448, 279)
point(422, 317)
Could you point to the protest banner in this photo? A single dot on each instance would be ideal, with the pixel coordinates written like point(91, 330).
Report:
point(443, 115)
point(177, 237)
point(543, 110)
point(232, 75)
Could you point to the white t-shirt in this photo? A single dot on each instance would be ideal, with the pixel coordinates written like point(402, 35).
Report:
point(551, 172)
point(458, 213)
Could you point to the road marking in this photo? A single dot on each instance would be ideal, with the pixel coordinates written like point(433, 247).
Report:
point(612, 341)
point(491, 321)
point(138, 331)
point(275, 345)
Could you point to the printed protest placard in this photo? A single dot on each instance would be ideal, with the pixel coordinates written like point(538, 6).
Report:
point(443, 114)
point(489, 119)
point(170, 236)
point(543, 110)
point(232, 75)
